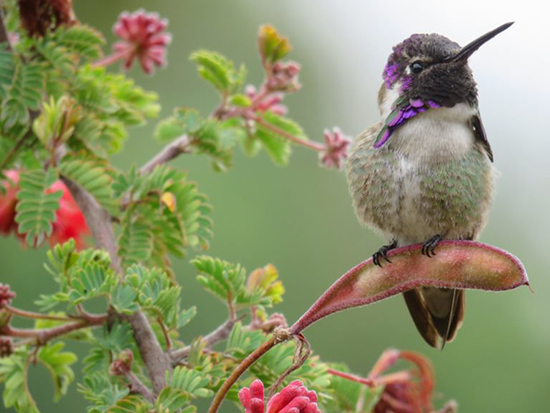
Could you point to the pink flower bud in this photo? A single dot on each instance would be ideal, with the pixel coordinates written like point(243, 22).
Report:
point(6, 295)
point(336, 149)
point(143, 37)
point(284, 77)
point(6, 346)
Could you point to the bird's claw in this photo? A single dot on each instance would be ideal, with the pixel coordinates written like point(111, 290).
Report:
point(383, 253)
point(428, 248)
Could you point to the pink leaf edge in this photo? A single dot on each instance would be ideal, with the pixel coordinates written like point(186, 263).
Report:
point(457, 264)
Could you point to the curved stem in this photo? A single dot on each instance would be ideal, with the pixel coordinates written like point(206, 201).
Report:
point(36, 316)
point(109, 60)
point(245, 364)
point(304, 142)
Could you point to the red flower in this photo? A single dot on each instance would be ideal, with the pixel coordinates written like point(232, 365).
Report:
point(294, 398)
point(8, 202)
point(336, 149)
point(143, 37)
point(404, 393)
point(69, 220)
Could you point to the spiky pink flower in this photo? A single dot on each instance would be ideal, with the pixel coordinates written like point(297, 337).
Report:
point(264, 102)
point(143, 38)
point(294, 398)
point(6, 295)
point(336, 149)
point(283, 77)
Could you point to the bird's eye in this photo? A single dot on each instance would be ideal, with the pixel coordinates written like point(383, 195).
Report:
point(417, 67)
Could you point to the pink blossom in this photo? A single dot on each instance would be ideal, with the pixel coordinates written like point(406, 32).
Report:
point(266, 102)
point(294, 398)
point(283, 76)
point(336, 149)
point(143, 37)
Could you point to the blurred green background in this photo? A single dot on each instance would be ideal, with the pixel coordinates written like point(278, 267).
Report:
point(300, 217)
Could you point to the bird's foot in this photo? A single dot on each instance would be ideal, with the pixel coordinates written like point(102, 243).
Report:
point(428, 248)
point(383, 253)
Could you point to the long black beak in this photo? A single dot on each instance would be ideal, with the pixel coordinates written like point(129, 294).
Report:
point(471, 47)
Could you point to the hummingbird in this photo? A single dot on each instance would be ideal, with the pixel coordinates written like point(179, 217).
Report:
point(425, 173)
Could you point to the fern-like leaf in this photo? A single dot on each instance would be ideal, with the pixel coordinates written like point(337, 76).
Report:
point(6, 69)
point(94, 177)
point(36, 208)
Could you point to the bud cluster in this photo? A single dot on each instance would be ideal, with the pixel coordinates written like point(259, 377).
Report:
point(6, 295)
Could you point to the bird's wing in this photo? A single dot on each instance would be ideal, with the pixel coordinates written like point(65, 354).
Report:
point(480, 135)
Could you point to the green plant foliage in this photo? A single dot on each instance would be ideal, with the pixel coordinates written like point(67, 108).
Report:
point(273, 47)
point(219, 71)
point(81, 40)
point(130, 404)
point(192, 382)
point(103, 393)
point(156, 293)
point(221, 278)
point(111, 103)
point(55, 125)
point(25, 94)
point(173, 400)
point(165, 214)
point(36, 208)
point(58, 364)
point(94, 176)
point(7, 69)
point(14, 372)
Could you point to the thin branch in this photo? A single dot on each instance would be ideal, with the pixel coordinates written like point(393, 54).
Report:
point(137, 386)
point(36, 316)
point(42, 336)
point(156, 360)
point(98, 220)
point(169, 152)
point(316, 146)
point(245, 364)
point(219, 334)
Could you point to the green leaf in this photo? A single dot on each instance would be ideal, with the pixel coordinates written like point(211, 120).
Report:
point(55, 125)
point(89, 282)
point(123, 299)
point(80, 39)
point(100, 391)
point(94, 176)
point(131, 404)
point(135, 241)
point(192, 382)
point(14, 372)
point(273, 47)
point(36, 208)
point(223, 279)
point(25, 94)
point(155, 293)
point(183, 121)
point(277, 147)
point(58, 365)
point(171, 400)
point(7, 69)
point(218, 70)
